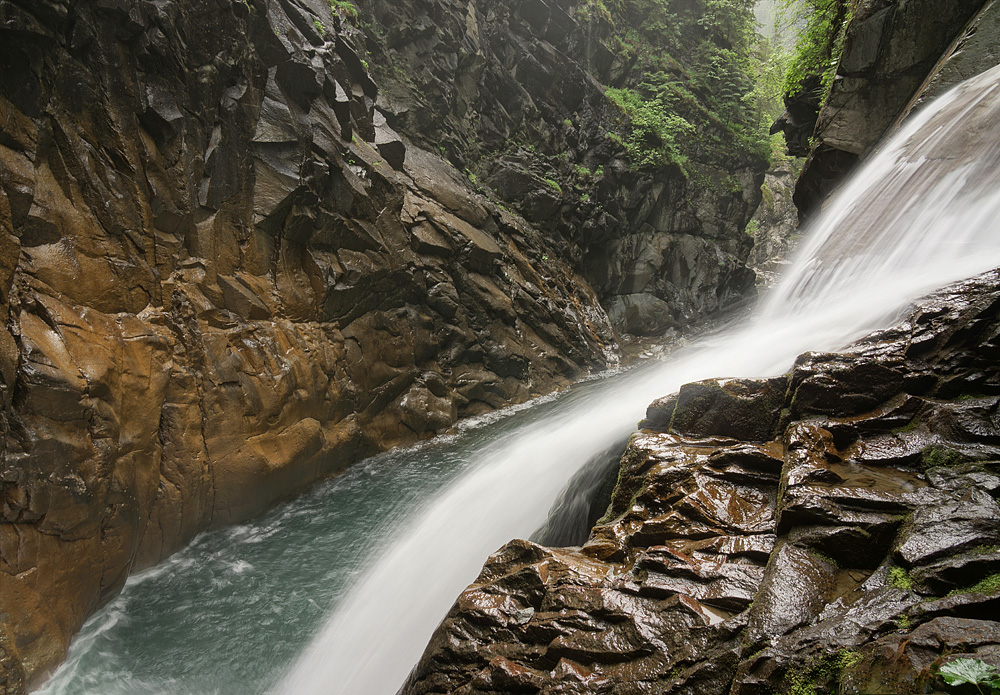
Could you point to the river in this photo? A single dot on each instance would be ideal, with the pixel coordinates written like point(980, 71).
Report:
point(339, 591)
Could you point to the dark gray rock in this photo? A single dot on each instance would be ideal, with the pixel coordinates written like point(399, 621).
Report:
point(891, 49)
point(832, 556)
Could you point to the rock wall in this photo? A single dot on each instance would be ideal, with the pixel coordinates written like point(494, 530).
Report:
point(775, 225)
point(513, 92)
point(891, 49)
point(222, 278)
point(974, 51)
point(246, 242)
point(833, 529)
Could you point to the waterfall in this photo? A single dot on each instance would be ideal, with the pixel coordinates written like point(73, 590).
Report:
point(921, 213)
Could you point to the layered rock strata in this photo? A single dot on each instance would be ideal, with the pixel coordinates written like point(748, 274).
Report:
point(222, 277)
point(833, 529)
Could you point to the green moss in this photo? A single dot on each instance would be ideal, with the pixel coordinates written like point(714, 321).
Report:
point(990, 585)
point(899, 578)
point(908, 427)
point(767, 196)
point(848, 658)
point(554, 185)
point(344, 7)
point(825, 558)
point(821, 674)
point(934, 455)
point(971, 396)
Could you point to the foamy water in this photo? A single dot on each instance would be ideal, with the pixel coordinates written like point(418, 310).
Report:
point(386, 548)
point(923, 212)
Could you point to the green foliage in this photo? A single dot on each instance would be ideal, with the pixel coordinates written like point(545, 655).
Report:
point(652, 132)
point(345, 7)
point(848, 658)
point(989, 585)
point(972, 671)
point(753, 226)
point(900, 579)
point(689, 93)
point(592, 11)
point(554, 185)
point(820, 42)
point(319, 27)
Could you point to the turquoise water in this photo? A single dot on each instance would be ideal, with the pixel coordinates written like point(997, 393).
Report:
point(279, 602)
point(228, 614)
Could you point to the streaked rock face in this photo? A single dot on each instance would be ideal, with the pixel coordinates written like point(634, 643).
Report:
point(224, 276)
point(891, 51)
point(230, 264)
point(515, 91)
point(825, 531)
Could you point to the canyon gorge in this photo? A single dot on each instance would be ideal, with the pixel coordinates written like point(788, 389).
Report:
point(247, 244)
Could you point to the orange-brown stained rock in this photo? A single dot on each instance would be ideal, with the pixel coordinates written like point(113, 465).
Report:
point(211, 296)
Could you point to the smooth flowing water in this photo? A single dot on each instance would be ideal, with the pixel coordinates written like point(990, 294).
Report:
point(387, 548)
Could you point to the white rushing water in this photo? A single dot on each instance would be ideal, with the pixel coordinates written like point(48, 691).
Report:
point(923, 212)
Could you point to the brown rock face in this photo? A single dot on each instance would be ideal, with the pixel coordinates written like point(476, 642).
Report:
point(845, 543)
point(222, 277)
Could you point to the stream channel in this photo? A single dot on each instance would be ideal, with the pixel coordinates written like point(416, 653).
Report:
point(338, 592)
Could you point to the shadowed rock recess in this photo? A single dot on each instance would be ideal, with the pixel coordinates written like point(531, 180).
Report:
point(225, 273)
point(834, 529)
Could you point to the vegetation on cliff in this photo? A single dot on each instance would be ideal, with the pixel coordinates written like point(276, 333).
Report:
point(692, 71)
point(820, 43)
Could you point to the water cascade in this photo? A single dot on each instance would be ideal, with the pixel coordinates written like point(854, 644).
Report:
point(923, 212)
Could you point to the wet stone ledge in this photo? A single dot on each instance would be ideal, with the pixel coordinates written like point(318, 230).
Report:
point(843, 539)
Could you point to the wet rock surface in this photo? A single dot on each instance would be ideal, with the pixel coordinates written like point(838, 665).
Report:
point(223, 276)
point(775, 224)
point(514, 94)
point(245, 242)
point(847, 543)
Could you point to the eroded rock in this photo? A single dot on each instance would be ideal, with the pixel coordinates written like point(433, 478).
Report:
point(223, 276)
point(836, 532)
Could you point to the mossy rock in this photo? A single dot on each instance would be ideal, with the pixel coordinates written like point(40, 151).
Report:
point(745, 409)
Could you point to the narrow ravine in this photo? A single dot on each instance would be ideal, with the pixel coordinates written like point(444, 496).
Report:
point(389, 546)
